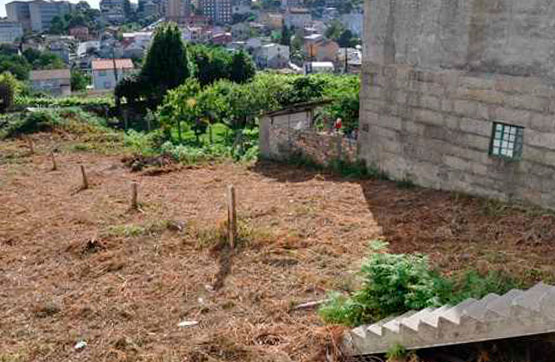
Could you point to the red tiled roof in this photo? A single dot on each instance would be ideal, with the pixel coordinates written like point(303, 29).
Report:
point(106, 64)
point(50, 74)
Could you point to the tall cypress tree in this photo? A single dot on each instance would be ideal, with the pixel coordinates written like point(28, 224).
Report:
point(166, 65)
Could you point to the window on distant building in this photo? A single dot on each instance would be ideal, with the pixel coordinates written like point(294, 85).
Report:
point(102, 73)
point(506, 141)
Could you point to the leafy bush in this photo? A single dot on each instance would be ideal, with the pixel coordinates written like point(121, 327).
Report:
point(6, 96)
point(396, 283)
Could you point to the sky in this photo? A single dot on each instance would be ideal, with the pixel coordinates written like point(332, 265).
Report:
point(92, 3)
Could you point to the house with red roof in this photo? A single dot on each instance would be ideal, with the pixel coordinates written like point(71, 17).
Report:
point(108, 72)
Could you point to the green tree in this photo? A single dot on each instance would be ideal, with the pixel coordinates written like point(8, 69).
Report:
point(166, 64)
point(285, 36)
point(48, 60)
point(242, 67)
point(15, 64)
point(334, 30)
point(58, 25)
point(210, 63)
point(180, 106)
point(79, 80)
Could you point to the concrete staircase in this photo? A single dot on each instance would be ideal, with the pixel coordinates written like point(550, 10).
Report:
point(517, 313)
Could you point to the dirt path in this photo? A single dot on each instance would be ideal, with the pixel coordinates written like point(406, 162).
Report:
point(78, 266)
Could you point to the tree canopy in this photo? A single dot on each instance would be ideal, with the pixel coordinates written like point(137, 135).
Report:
point(166, 64)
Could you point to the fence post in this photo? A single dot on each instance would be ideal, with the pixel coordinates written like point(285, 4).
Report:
point(231, 216)
point(85, 181)
point(134, 192)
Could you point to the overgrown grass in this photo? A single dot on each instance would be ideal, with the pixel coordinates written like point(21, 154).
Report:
point(396, 283)
point(63, 101)
point(72, 120)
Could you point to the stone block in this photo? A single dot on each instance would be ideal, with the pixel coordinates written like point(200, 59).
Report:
point(391, 122)
point(543, 123)
point(465, 108)
point(480, 127)
point(539, 139)
point(527, 102)
point(484, 96)
point(513, 116)
point(477, 83)
point(429, 117)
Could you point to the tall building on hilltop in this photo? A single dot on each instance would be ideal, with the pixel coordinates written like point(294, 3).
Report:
point(18, 11)
point(288, 4)
point(36, 15)
point(114, 11)
point(178, 10)
point(218, 11)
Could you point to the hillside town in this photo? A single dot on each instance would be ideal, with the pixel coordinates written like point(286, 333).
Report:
point(289, 36)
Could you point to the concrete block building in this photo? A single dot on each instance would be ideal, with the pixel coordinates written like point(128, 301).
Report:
point(460, 95)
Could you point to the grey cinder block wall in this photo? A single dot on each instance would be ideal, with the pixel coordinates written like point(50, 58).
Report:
point(459, 95)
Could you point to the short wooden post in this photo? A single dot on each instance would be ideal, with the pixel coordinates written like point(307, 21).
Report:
point(85, 181)
point(134, 203)
point(54, 165)
point(231, 216)
point(31, 145)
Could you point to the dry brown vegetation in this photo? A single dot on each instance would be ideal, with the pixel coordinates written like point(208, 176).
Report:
point(78, 265)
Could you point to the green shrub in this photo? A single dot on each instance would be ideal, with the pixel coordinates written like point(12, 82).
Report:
point(396, 283)
point(26, 101)
point(6, 97)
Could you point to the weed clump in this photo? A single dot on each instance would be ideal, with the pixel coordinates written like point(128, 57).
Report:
point(396, 283)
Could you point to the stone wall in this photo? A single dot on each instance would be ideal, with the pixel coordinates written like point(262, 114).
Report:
point(437, 74)
point(282, 143)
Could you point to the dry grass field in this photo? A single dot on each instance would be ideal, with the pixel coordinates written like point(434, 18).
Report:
point(78, 265)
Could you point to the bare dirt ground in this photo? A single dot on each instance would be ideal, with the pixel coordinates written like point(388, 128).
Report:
point(79, 266)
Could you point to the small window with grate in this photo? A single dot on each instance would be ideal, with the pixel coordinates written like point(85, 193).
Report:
point(506, 141)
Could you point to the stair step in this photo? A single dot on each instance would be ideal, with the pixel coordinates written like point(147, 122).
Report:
point(377, 328)
point(503, 304)
point(413, 321)
point(478, 310)
point(532, 298)
point(433, 318)
point(454, 314)
point(394, 324)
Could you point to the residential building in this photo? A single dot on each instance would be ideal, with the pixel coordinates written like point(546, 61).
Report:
point(56, 82)
point(461, 102)
point(273, 56)
point(108, 72)
point(217, 11)
point(18, 11)
point(79, 32)
point(150, 9)
point(297, 17)
point(272, 20)
point(113, 11)
point(10, 31)
point(61, 49)
point(42, 12)
point(318, 67)
point(287, 4)
point(221, 38)
point(322, 50)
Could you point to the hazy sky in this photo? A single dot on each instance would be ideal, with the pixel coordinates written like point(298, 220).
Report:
point(93, 3)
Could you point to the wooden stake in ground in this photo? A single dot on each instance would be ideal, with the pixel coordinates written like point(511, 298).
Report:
point(231, 216)
point(134, 203)
point(31, 145)
point(54, 165)
point(85, 181)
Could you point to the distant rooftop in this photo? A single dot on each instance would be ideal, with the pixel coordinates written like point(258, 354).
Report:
point(50, 74)
point(106, 64)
